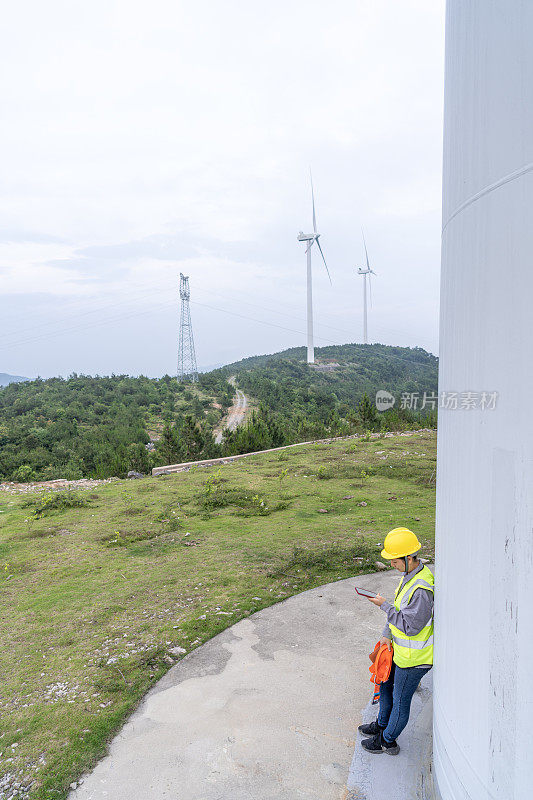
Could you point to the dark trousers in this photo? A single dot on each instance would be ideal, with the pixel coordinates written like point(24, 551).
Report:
point(395, 696)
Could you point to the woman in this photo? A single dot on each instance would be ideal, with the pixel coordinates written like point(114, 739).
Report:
point(409, 630)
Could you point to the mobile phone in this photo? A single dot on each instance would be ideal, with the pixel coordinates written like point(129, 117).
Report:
point(366, 592)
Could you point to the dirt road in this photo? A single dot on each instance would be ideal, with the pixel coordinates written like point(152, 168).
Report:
point(235, 415)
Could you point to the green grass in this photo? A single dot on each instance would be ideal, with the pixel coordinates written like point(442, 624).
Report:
point(95, 596)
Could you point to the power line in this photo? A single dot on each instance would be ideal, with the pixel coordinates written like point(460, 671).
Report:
point(350, 334)
point(146, 291)
point(170, 304)
point(274, 311)
point(132, 296)
point(95, 324)
point(262, 322)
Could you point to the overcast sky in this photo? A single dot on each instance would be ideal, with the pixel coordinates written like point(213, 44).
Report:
point(141, 139)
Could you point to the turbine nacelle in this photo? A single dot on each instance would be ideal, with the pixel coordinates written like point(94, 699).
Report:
point(313, 237)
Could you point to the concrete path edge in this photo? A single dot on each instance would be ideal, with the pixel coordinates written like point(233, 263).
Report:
point(268, 709)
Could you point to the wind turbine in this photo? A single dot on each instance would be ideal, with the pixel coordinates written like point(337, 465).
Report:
point(311, 238)
point(366, 272)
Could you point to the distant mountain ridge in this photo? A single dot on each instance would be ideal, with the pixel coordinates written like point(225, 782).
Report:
point(293, 401)
point(344, 372)
point(100, 426)
point(6, 379)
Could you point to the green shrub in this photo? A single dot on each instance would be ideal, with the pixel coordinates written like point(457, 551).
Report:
point(245, 502)
point(24, 474)
point(122, 538)
point(283, 474)
point(356, 558)
point(54, 501)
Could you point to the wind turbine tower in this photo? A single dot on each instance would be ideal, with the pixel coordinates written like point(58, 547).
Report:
point(484, 540)
point(187, 369)
point(364, 273)
point(311, 238)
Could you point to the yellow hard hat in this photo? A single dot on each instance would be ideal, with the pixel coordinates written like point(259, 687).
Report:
point(400, 542)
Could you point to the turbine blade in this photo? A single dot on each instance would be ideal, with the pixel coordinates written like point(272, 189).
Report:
point(366, 251)
point(313, 199)
point(324, 260)
point(370, 287)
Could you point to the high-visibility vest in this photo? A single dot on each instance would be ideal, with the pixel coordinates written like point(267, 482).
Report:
point(412, 651)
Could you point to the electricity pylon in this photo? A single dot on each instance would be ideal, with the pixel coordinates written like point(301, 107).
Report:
point(187, 369)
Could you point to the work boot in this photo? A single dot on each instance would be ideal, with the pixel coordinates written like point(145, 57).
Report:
point(380, 745)
point(371, 729)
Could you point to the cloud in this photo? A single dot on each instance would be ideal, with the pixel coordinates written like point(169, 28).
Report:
point(28, 268)
point(18, 236)
point(138, 145)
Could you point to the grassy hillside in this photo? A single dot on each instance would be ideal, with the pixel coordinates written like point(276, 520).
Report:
point(100, 587)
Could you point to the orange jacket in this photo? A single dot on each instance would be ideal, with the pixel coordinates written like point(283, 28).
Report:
point(381, 658)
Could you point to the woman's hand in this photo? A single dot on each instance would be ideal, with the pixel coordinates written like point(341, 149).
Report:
point(378, 600)
point(385, 640)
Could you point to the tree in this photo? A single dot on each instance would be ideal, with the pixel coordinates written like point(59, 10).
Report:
point(367, 411)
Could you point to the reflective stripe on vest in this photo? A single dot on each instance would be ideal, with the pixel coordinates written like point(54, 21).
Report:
point(412, 651)
point(412, 644)
point(416, 585)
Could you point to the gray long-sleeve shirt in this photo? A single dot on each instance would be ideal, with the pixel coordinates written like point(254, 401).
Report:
point(413, 617)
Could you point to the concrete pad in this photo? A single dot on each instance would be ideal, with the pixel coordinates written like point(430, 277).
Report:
point(267, 710)
point(406, 776)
